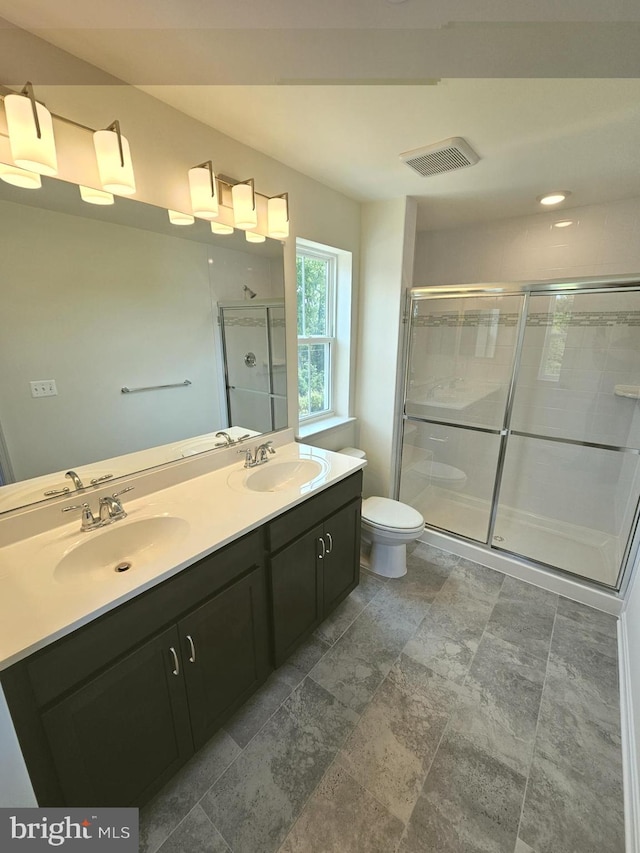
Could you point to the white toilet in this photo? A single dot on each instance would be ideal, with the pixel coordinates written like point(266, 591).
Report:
point(388, 526)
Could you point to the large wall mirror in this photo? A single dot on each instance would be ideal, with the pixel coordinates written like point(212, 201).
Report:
point(105, 306)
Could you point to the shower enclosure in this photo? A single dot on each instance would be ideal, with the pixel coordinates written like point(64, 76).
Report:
point(521, 425)
point(253, 346)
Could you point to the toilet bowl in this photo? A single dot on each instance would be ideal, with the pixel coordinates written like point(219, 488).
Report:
point(388, 526)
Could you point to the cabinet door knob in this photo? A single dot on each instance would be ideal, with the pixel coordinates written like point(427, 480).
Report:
point(323, 548)
point(330, 548)
point(176, 662)
point(192, 657)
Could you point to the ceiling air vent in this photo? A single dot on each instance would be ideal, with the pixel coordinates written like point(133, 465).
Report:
point(445, 156)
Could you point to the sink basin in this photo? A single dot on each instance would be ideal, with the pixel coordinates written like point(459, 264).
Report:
point(287, 474)
point(104, 553)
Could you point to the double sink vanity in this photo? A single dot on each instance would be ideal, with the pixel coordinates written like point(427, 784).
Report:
point(125, 647)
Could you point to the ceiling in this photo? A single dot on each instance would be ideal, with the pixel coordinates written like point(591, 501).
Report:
point(547, 93)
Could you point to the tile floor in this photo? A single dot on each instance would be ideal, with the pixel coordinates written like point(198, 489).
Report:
point(455, 710)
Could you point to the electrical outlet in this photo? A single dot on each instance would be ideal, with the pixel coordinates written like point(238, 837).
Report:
point(44, 388)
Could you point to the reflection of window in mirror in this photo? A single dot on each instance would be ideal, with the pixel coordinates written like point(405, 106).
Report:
point(555, 339)
point(324, 322)
point(480, 332)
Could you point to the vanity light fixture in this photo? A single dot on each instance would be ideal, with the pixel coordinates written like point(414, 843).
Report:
point(221, 228)
point(554, 197)
point(93, 196)
point(278, 216)
point(252, 237)
point(114, 160)
point(177, 218)
point(20, 177)
point(204, 191)
point(30, 132)
point(243, 197)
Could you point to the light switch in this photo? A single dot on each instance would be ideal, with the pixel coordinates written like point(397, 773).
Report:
point(44, 388)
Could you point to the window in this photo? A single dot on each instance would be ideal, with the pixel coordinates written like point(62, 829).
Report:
point(316, 289)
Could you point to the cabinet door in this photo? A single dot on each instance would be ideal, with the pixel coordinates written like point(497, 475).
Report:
point(342, 560)
point(121, 736)
point(296, 590)
point(225, 648)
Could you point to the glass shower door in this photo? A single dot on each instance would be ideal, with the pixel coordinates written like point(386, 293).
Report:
point(571, 477)
point(253, 340)
point(460, 372)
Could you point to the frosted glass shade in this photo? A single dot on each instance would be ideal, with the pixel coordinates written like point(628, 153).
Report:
point(29, 151)
point(114, 177)
point(177, 218)
point(204, 196)
point(278, 218)
point(221, 228)
point(252, 237)
point(245, 214)
point(20, 177)
point(93, 196)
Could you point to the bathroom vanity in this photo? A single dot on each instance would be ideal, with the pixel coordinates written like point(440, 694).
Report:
point(107, 713)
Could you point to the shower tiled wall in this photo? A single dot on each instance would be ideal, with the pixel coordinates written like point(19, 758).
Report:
point(603, 240)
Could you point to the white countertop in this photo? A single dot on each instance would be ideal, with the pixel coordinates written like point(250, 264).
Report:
point(37, 607)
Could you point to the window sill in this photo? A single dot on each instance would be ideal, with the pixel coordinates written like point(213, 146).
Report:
point(316, 428)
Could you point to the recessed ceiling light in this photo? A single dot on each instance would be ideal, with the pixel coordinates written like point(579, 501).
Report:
point(563, 223)
point(554, 198)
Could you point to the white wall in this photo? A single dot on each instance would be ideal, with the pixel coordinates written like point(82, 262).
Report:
point(388, 230)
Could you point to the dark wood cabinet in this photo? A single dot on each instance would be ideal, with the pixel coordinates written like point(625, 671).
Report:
point(316, 569)
point(107, 715)
point(296, 592)
point(125, 732)
point(224, 653)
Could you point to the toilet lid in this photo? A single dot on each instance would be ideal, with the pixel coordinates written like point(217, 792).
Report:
point(388, 513)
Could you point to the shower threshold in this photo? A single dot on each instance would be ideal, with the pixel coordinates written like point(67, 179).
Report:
point(592, 554)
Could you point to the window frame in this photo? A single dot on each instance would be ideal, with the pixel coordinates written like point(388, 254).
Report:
point(328, 341)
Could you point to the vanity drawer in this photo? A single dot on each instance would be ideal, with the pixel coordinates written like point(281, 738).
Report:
point(73, 659)
point(295, 522)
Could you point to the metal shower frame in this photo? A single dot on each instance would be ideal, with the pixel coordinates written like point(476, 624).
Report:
point(525, 289)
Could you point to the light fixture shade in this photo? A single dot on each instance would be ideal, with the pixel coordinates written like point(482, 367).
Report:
point(37, 154)
point(93, 196)
point(221, 228)
point(252, 237)
point(20, 177)
point(278, 217)
point(115, 176)
point(204, 193)
point(245, 214)
point(177, 218)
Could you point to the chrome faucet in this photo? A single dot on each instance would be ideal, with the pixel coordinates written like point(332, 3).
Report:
point(77, 482)
point(110, 510)
point(229, 441)
point(260, 454)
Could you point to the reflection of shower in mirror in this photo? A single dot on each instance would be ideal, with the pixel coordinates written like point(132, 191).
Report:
point(248, 293)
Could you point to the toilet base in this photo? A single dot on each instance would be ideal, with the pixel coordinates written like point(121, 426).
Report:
point(386, 561)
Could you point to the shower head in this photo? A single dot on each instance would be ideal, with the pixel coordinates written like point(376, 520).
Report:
point(248, 293)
